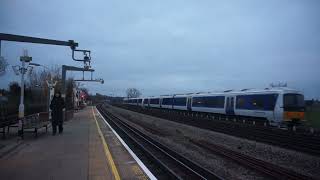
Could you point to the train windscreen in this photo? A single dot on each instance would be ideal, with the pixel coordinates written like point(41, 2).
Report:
point(293, 102)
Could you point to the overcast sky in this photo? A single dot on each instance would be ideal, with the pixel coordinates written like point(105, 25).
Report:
point(174, 46)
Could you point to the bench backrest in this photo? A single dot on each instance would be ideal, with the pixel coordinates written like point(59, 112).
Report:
point(30, 120)
point(44, 116)
point(35, 119)
point(8, 120)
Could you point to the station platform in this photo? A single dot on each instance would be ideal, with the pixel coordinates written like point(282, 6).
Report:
point(87, 149)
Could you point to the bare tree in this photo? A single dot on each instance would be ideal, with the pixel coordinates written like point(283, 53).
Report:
point(3, 65)
point(39, 88)
point(133, 93)
point(39, 78)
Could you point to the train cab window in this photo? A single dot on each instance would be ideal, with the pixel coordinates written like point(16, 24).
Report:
point(293, 102)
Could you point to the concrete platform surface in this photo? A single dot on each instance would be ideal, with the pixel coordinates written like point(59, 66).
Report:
point(87, 149)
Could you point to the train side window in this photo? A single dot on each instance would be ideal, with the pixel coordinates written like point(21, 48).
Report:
point(240, 102)
point(271, 103)
point(232, 102)
point(258, 102)
point(167, 101)
point(228, 102)
point(198, 102)
point(214, 101)
point(221, 101)
point(209, 101)
point(180, 101)
point(154, 101)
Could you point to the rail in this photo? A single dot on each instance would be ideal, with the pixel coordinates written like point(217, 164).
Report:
point(264, 167)
point(166, 163)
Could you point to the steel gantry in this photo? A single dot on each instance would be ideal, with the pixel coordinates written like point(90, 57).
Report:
point(70, 43)
point(27, 39)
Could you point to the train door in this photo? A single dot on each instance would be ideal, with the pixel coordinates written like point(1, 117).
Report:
point(189, 103)
point(278, 110)
point(230, 106)
point(173, 102)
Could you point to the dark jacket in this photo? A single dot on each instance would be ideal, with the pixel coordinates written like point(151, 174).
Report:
point(57, 105)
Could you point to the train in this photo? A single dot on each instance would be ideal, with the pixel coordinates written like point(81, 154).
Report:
point(277, 106)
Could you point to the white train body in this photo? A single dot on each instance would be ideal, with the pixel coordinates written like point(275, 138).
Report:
point(276, 105)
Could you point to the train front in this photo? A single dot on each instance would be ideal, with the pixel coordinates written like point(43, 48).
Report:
point(293, 108)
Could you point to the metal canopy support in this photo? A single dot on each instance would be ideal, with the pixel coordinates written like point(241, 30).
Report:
point(66, 68)
point(70, 43)
point(73, 68)
point(18, 38)
point(88, 80)
point(27, 39)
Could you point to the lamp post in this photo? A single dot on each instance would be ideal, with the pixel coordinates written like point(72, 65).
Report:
point(22, 70)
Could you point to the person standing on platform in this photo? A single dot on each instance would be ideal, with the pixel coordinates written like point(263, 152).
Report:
point(57, 105)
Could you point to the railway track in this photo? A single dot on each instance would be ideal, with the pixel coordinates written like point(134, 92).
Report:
point(288, 140)
point(164, 162)
point(264, 167)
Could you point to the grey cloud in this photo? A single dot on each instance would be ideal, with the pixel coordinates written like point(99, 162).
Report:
point(177, 46)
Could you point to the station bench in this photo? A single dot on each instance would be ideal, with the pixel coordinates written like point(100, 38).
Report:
point(7, 122)
point(35, 122)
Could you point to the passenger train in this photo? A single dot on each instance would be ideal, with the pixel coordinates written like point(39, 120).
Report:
point(278, 106)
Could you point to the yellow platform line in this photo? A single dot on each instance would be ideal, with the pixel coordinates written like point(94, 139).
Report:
point(107, 151)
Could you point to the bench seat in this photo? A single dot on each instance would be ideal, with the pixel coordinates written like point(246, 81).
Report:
point(35, 122)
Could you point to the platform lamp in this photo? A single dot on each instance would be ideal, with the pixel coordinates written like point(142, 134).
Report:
point(22, 70)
